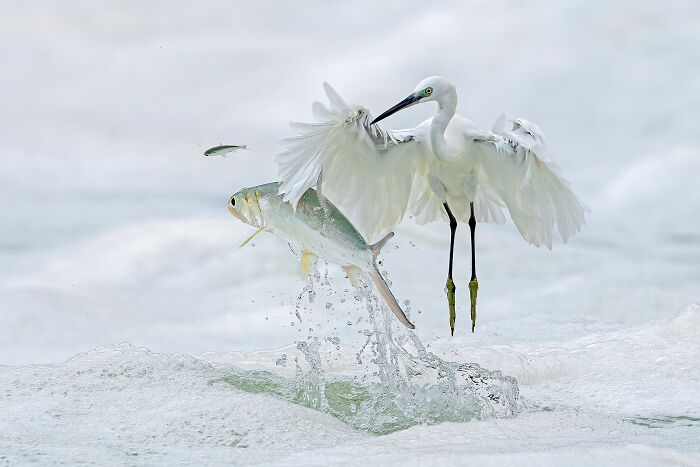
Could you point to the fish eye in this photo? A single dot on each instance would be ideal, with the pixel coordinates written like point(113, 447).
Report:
point(428, 91)
point(233, 201)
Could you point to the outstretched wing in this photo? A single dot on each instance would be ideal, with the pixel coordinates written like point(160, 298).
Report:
point(368, 172)
point(517, 166)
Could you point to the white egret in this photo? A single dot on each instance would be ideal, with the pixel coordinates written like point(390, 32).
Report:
point(445, 167)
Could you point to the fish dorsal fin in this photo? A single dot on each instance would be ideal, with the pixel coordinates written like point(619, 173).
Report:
point(375, 247)
point(319, 193)
point(308, 259)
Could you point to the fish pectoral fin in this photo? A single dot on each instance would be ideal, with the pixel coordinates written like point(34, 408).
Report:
point(308, 259)
point(251, 237)
point(353, 273)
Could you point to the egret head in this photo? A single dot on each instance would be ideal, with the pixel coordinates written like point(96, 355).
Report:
point(433, 88)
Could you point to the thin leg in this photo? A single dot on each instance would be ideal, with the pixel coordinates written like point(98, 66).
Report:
point(473, 283)
point(450, 283)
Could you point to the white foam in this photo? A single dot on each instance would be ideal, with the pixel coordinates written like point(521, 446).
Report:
point(621, 398)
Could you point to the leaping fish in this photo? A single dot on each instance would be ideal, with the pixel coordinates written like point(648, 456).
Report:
point(319, 228)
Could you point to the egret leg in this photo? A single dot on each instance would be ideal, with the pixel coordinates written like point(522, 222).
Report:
point(450, 283)
point(473, 283)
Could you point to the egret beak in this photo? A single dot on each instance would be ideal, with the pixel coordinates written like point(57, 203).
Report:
point(409, 101)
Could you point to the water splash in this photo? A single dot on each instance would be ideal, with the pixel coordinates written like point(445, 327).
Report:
point(387, 383)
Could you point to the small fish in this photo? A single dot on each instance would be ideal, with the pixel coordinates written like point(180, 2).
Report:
point(223, 150)
point(319, 228)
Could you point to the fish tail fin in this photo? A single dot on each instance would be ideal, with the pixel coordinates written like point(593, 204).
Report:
point(375, 247)
point(386, 293)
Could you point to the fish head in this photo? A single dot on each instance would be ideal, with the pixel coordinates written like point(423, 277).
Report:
point(244, 205)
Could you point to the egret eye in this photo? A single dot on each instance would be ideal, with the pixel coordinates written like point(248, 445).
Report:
point(428, 91)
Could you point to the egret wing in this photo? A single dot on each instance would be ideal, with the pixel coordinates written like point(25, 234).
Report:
point(517, 166)
point(368, 172)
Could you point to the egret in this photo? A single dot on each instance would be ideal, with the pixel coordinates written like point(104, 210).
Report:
point(445, 167)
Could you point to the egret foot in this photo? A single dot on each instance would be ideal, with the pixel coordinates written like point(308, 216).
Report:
point(473, 289)
point(451, 302)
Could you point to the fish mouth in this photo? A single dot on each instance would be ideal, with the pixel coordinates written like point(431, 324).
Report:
point(236, 213)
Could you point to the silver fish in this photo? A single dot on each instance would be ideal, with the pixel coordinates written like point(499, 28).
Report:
point(319, 228)
point(222, 150)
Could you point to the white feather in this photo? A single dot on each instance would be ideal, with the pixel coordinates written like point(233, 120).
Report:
point(373, 175)
point(530, 185)
point(368, 172)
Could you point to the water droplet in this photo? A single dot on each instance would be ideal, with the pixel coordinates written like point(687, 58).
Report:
point(391, 361)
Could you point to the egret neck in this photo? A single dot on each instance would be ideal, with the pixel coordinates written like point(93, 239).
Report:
point(447, 105)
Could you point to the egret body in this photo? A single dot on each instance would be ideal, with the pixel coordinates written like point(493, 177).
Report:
point(446, 166)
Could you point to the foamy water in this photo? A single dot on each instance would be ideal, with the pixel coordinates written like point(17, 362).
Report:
point(625, 397)
point(134, 331)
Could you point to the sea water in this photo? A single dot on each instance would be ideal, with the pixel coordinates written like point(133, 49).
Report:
point(390, 382)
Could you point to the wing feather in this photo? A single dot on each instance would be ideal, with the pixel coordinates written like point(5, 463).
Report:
point(368, 172)
point(517, 166)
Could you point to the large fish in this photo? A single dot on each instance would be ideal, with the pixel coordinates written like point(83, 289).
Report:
point(319, 228)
